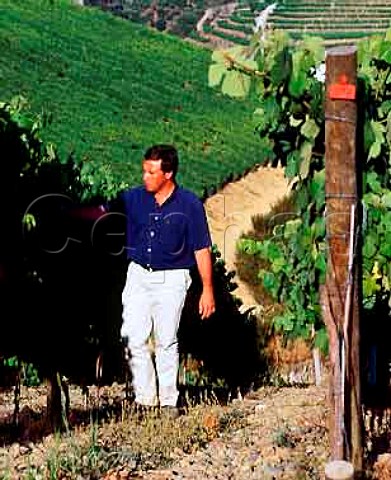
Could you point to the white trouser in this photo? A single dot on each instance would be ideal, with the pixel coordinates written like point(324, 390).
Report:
point(153, 302)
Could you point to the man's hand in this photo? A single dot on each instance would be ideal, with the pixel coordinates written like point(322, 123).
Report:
point(207, 303)
point(207, 300)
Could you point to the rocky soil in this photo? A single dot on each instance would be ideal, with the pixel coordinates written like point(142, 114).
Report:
point(284, 436)
point(272, 433)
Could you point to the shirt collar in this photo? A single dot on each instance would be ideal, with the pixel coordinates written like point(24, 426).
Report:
point(168, 200)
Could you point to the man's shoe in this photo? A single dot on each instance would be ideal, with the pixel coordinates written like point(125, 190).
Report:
point(170, 412)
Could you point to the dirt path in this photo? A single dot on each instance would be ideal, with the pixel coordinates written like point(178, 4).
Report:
point(230, 212)
point(283, 437)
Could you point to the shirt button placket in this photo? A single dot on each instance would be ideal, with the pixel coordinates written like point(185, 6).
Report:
point(152, 234)
point(155, 229)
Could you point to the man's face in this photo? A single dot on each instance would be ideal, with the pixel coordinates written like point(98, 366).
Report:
point(153, 176)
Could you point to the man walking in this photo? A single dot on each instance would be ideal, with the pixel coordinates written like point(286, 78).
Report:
point(166, 235)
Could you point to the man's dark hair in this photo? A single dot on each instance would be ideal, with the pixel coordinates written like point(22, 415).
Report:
point(167, 154)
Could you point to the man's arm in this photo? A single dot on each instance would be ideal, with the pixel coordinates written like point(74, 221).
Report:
point(204, 264)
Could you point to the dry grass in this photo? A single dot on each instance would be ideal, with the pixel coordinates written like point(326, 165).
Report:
point(118, 448)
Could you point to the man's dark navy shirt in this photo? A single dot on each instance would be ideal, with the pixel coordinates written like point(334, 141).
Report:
point(164, 236)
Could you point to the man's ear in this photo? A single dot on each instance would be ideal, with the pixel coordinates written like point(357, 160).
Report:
point(168, 175)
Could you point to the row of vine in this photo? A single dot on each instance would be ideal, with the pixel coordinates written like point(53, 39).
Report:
point(289, 81)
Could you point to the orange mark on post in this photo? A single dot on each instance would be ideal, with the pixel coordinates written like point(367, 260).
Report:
point(342, 90)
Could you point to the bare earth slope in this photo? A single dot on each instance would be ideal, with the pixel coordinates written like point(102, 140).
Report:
point(230, 211)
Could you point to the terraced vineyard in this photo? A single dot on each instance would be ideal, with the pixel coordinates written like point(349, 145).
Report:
point(221, 30)
point(229, 23)
point(337, 21)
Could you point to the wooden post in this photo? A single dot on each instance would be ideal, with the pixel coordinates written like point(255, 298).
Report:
point(340, 296)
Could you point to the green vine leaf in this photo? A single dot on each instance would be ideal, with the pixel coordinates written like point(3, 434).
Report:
point(292, 165)
point(378, 131)
point(373, 182)
point(386, 200)
point(310, 129)
point(291, 227)
point(236, 84)
point(370, 286)
point(386, 54)
point(297, 84)
point(295, 122)
point(219, 56)
point(216, 74)
point(370, 246)
point(306, 154)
